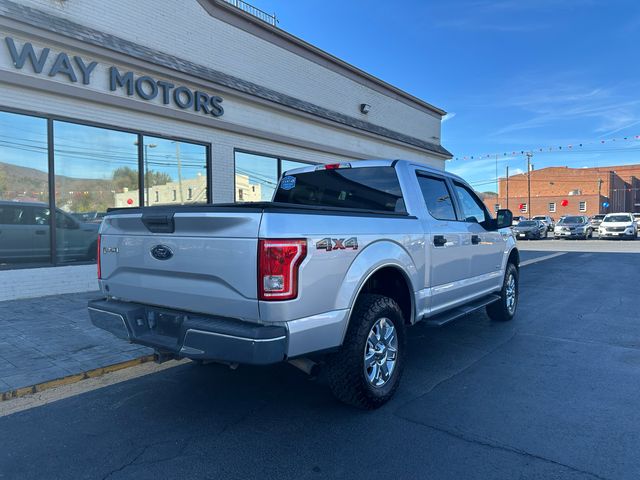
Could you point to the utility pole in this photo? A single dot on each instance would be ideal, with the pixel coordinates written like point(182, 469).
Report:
point(507, 179)
point(179, 173)
point(529, 155)
point(497, 190)
point(599, 192)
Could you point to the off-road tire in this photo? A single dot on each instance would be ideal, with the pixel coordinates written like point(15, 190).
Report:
point(345, 369)
point(498, 311)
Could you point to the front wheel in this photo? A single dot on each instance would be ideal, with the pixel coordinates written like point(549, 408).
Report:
point(366, 371)
point(504, 309)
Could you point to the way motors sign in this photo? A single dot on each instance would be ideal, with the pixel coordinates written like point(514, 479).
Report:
point(76, 69)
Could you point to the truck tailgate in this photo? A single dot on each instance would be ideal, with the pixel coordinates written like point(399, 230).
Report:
point(210, 264)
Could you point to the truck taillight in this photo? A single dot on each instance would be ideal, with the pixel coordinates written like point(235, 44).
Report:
point(278, 264)
point(333, 166)
point(98, 258)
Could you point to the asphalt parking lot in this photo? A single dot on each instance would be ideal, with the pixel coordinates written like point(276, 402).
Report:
point(551, 395)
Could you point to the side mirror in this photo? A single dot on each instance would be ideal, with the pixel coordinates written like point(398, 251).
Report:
point(504, 218)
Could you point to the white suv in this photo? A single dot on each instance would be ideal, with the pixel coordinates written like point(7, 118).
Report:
point(618, 225)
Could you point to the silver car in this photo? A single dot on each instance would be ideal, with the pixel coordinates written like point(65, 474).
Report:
point(573, 226)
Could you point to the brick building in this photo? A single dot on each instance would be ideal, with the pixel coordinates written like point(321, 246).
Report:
point(557, 191)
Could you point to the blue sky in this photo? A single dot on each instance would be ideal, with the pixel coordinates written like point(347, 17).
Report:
point(513, 75)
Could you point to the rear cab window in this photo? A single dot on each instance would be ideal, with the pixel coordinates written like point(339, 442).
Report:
point(361, 188)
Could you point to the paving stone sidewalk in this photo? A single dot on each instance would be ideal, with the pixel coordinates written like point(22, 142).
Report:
point(47, 338)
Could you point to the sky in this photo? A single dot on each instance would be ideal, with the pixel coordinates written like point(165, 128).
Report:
point(513, 76)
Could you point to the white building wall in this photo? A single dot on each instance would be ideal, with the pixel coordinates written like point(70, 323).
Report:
point(38, 282)
point(218, 45)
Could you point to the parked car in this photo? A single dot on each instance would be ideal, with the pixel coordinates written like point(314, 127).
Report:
point(530, 229)
point(618, 225)
point(93, 217)
point(25, 233)
point(636, 217)
point(517, 220)
point(547, 220)
point(334, 269)
point(573, 226)
point(595, 221)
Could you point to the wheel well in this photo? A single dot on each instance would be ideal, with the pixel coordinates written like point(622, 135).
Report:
point(514, 257)
point(391, 282)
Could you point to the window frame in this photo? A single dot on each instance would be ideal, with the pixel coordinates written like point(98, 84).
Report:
point(582, 206)
point(554, 207)
point(141, 134)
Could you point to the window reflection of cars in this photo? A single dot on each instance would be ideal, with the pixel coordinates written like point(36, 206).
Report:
point(89, 216)
point(25, 236)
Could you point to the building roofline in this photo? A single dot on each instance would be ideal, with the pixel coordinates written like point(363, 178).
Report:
point(226, 12)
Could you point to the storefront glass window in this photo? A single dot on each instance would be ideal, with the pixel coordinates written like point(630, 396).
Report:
point(290, 165)
point(256, 177)
point(24, 191)
point(95, 169)
point(175, 172)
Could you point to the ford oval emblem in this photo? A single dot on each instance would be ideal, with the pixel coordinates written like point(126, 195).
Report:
point(161, 252)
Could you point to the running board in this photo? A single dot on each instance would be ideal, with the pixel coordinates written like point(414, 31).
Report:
point(450, 315)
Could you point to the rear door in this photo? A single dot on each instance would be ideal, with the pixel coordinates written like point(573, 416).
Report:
point(487, 246)
point(447, 243)
point(16, 234)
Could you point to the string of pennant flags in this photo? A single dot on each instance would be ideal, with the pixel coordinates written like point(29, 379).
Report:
point(553, 148)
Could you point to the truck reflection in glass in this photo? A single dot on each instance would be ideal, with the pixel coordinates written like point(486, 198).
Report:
point(25, 234)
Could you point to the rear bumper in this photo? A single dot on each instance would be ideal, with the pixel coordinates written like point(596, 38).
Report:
point(190, 335)
point(616, 235)
point(569, 234)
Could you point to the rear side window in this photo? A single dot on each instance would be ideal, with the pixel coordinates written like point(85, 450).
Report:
point(13, 215)
point(366, 188)
point(437, 197)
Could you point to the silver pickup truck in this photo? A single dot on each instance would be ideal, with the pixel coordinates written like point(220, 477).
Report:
point(332, 271)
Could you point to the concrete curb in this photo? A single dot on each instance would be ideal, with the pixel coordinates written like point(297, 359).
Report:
point(68, 380)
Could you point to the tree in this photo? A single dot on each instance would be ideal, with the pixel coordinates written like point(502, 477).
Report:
point(3, 183)
point(157, 178)
point(125, 177)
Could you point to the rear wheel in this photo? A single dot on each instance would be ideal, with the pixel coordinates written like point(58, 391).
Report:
point(504, 309)
point(366, 371)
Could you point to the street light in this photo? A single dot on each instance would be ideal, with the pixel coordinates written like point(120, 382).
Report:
point(146, 170)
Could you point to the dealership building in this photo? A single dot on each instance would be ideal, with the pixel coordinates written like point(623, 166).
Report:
point(117, 104)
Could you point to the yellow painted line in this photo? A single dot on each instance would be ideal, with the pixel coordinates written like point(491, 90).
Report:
point(68, 380)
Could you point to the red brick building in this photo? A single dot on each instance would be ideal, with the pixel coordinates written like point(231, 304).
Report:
point(557, 191)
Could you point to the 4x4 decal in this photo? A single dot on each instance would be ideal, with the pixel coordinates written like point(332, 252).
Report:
point(329, 244)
